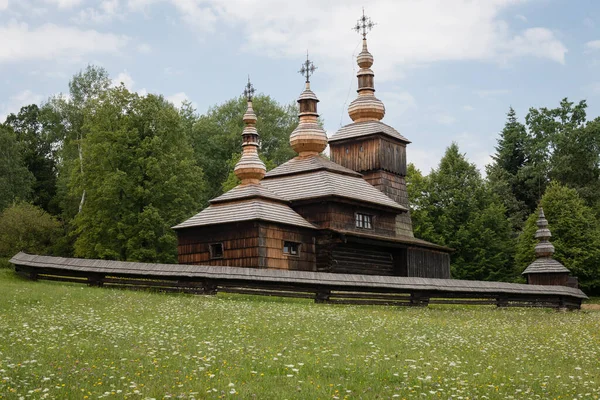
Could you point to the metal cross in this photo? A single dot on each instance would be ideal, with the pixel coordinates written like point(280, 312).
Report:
point(249, 90)
point(365, 24)
point(308, 68)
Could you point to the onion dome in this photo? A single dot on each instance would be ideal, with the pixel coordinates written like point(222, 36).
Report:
point(250, 168)
point(544, 250)
point(366, 107)
point(308, 138)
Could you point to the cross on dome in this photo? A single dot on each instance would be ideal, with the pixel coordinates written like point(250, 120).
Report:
point(249, 90)
point(365, 24)
point(308, 68)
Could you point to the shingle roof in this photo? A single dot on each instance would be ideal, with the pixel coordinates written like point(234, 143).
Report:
point(393, 283)
point(246, 192)
point(325, 183)
point(358, 129)
point(246, 210)
point(311, 163)
point(545, 265)
point(395, 239)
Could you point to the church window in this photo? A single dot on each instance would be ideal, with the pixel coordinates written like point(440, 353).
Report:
point(291, 248)
point(216, 250)
point(364, 221)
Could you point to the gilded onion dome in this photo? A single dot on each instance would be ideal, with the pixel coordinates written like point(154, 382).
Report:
point(366, 107)
point(308, 138)
point(250, 168)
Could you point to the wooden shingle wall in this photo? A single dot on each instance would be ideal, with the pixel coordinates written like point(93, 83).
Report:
point(271, 242)
point(240, 244)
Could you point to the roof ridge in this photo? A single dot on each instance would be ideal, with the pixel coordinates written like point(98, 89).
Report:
point(298, 167)
point(248, 191)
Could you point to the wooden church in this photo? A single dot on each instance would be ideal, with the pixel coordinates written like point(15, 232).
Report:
point(349, 214)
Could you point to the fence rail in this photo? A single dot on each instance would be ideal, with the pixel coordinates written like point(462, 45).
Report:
point(321, 287)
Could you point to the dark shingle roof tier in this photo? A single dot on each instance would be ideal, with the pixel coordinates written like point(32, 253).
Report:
point(312, 163)
point(246, 192)
point(246, 210)
point(326, 183)
point(359, 129)
point(544, 266)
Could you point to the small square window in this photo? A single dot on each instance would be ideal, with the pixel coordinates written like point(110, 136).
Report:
point(216, 250)
point(364, 221)
point(291, 248)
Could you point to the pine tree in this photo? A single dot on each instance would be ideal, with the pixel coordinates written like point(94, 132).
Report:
point(456, 209)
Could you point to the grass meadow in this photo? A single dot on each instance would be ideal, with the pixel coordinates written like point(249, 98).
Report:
point(67, 341)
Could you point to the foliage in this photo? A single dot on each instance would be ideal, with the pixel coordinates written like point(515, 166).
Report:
point(554, 144)
point(28, 228)
point(453, 206)
point(217, 138)
point(576, 236)
point(31, 126)
point(140, 179)
point(15, 179)
point(73, 342)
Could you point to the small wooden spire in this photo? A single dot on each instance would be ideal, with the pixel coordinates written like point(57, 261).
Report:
point(366, 107)
point(250, 168)
point(308, 138)
point(544, 248)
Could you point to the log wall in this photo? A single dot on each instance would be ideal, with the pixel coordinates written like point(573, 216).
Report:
point(560, 279)
point(427, 263)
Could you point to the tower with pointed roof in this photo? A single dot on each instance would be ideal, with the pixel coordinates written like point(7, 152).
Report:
point(545, 270)
point(369, 146)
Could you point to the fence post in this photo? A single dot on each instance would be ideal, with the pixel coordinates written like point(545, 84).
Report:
point(322, 296)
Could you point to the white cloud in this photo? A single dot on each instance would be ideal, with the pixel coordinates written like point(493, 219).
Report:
point(468, 108)
point(125, 79)
point(105, 12)
point(408, 33)
point(64, 3)
point(592, 45)
point(537, 42)
point(397, 103)
point(3, 4)
point(177, 99)
point(521, 17)
point(15, 102)
point(51, 41)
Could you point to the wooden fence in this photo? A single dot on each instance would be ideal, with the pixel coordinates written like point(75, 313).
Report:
point(321, 287)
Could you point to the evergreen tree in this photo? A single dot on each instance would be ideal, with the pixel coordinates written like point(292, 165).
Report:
point(456, 209)
point(509, 175)
point(575, 235)
point(15, 179)
point(140, 179)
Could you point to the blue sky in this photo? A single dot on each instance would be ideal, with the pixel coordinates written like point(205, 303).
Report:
point(447, 70)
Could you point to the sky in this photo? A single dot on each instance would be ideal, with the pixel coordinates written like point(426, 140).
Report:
point(446, 70)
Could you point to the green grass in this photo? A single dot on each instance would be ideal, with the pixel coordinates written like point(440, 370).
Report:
point(69, 341)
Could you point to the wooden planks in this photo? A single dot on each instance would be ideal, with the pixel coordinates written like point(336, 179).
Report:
point(323, 287)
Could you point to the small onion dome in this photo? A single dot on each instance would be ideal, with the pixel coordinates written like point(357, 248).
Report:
point(250, 168)
point(366, 107)
point(308, 138)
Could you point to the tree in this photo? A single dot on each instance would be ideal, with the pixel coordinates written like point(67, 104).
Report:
point(15, 180)
point(140, 178)
point(453, 207)
point(217, 137)
point(25, 227)
point(511, 175)
point(37, 145)
point(575, 236)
